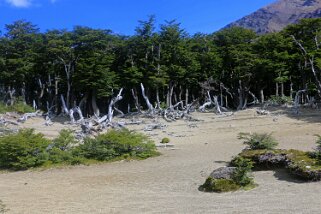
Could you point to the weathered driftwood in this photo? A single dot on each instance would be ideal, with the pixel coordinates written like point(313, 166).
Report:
point(262, 112)
point(26, 116)
point(4, 122)
point(151, 127)
point(211, 102)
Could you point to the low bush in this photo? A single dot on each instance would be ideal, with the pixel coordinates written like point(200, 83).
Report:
point(18, 107)
point(230, 179)
point(219, 185)
point(165, 140)
point(23, 150)
point(3, 208)
point(304, 165)
point(61, 149)
point(26, 149)
point(65, 140)
point(266, 159)
point(318, 148)
point(116, 144)
point(242, 171)
point(280, 100)
point(257, 141)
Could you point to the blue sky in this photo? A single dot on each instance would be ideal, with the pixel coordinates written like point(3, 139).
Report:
point(122, 16)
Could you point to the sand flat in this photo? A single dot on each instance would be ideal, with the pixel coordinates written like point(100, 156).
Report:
point(169, 183)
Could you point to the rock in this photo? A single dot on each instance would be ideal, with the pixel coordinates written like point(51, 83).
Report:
point(223, 173)
point(272, 159)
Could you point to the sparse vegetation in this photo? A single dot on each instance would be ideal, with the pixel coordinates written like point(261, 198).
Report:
point(304, 165)
point(318, 148)
point(165, 140)
point(116, 144)
point(241, 173)
point(258, 141)
point(26, 149)
point(219, 185)
point(239, 178)
point(280, 100)
point(18, 107)
point(23, 150)
point(3, 208)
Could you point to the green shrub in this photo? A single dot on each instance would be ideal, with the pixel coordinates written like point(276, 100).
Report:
point(165, 140)
point(18, 107)
point(219, 185)
point(280, 100)
point(23, 150)
point(65, 140)
point(163, 105)
point(241, 173)
point(3, 108)
point(258, 141)
point(115, 144)
point(318, 148)
point(60, 151)
point(3, 208)
point(26, 149)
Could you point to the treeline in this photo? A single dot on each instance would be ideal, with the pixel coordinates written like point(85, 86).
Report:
point(87, 67)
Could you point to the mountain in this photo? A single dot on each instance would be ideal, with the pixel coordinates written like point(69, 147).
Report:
point(278, 15)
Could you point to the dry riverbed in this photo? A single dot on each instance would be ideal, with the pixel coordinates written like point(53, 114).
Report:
point(169, 183)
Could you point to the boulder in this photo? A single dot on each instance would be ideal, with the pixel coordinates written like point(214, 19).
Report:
point(272, 159)
point(223, 173)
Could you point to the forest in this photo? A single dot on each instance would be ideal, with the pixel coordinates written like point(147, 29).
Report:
point(90, 69)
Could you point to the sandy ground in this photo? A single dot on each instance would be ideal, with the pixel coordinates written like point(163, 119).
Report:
point(169, 183)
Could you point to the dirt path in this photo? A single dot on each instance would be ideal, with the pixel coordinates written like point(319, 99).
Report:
point(169, 183)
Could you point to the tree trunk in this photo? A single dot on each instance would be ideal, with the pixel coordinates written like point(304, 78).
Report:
point(186, 96)
point(112, 104)
point(241, 96)
point(226, 102)
point(171, 90)
point(276, 89)
point(149, 105)
point(217, 105)
point(56, 93)
point(180, 97)
point(83, 102)
point(157, 99)
point(94, 104)
point(291, 91)
point(135, 96)
point(262, 96)
point(11, 93)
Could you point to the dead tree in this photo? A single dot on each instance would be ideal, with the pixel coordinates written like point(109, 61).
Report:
point(297, 100)
point(112, 104)
point(10, 94)
point(69, 67)
point(94, 104)
point(316, 74)
point(72, 111)
point(135, 96)
point(149, 105)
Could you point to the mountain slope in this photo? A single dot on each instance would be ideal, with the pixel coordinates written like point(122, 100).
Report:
point(278, 15)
